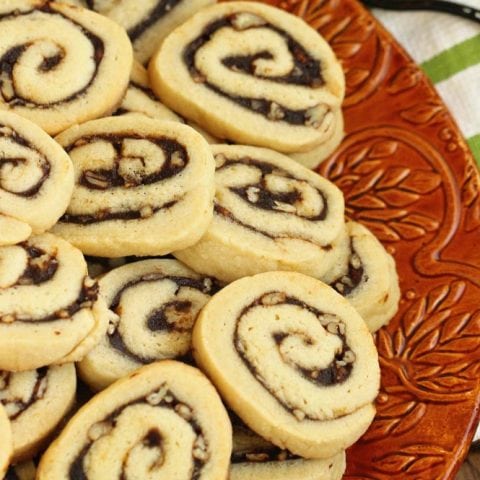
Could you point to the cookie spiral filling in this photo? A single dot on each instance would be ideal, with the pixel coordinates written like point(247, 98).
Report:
point(260, 64)
point(149, 424)
point(131, 168)
point(153, 306)
point(302, 354)
point(305, 70)
point(291, 217)
point(32, 167)
point(70, 50)
point(44, 288)
point(24, 395)
point(135, 171)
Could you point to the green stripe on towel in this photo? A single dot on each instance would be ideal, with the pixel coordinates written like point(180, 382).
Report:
point(453, 60)
point(474, 143)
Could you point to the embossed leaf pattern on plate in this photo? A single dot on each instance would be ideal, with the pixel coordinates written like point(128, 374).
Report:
point(407, 174)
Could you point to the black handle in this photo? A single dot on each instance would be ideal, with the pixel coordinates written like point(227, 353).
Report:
point(436, 5)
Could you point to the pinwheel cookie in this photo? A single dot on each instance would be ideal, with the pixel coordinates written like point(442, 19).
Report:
point(163, 421)
point(371, 282)
point(60, 64)
point(6, 443)
point(49, 310)
point(293, 359)
point(254, 458)
point(36, 402)
point(153, 306)
point(270, 214)
point(36, 179)
point(253, 74)
point(142, 187)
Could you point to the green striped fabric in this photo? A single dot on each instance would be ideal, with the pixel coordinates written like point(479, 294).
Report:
point(448, 50)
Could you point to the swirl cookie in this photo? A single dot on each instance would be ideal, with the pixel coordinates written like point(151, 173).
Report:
point(163, 421)
point(293, 359)
point(49, 311)
point(253, 74)
point(143, 187)
point(370, 283)
point(315, 157)
point(253, 458)
point(36, 401)
point(6, 443)
point(36, 179)
point(153, 306)
point(72, 66)
point(270, 214)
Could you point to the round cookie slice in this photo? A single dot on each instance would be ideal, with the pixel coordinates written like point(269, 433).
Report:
point(6, 443)
point(60, 64)
point(153, 307)
point(253, 74)
point(163, 421)
point(270, 214)
point(36, 179)
point(36, 402)
point(293, 359)
point(142, 187)
point(253, 458)
point(371, 282)
point(49, 308)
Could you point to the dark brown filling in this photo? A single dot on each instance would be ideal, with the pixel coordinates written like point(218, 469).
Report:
point(176, 159)
point(11, 57)
point(336, 373)
point(346, 284)
point(162, 8)
point(41, 267)
point(153, 439)
point(267, 200)
point(15, 161)
point(306, 72)
point(36, 394)
point(157, 319)
point(87, 297)
point(11, 474)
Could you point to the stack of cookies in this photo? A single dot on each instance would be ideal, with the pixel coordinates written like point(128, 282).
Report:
point(255, 292)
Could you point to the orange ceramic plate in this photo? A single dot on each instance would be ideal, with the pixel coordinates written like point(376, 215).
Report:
point(408, 175)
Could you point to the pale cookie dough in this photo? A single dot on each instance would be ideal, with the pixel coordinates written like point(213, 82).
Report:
point(6, 443)
point(36, 401)
point(163, 421)
point(313, 158)
point(293, 359)
point(270, 214)
point(153, 307)
point(370, 283)
point(60, 64)
point(140, 99)
point(36, 179)
point(253, 74)
point(49, 308)
point(142, 187)
point(253, 458)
